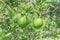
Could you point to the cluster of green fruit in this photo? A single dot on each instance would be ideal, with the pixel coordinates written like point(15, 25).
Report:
point(23, 21)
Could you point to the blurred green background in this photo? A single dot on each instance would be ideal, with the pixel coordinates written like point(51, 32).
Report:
point(30, 20)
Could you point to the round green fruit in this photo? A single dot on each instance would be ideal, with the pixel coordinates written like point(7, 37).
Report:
point(22, 21)
point(38, 22)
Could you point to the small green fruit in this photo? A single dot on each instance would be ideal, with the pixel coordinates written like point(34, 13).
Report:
point(22, 21)
point(38, 22)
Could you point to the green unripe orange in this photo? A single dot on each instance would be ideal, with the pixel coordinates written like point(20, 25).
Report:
point(22, 21)
point(38, 22)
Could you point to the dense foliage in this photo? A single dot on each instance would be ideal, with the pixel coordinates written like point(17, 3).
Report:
point(29, 20)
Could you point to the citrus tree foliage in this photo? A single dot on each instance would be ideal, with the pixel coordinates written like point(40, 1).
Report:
point(29, 20)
